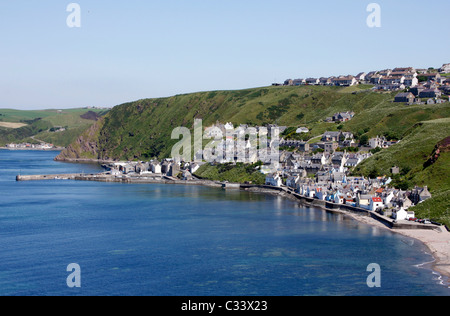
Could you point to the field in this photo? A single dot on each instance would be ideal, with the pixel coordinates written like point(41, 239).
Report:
point(12, 125)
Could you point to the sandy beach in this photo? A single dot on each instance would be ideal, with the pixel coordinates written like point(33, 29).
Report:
point(437, 241)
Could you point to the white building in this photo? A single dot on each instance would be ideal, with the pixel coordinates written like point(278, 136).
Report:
point(445, 68)
point(274, 179)
point(292, 181)
point(156, 168)
point(375, 203)
point(403, 215)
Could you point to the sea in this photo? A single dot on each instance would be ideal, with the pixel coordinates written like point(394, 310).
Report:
point(176, 240)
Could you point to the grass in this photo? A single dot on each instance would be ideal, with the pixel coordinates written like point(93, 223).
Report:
point(239, 173)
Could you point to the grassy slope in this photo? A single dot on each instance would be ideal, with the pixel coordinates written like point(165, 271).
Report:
point(236, 174)
point(49, 118)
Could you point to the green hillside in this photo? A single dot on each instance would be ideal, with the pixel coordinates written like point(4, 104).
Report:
point(42, 125)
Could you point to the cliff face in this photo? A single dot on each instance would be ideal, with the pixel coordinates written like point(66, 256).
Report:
point(86, 147)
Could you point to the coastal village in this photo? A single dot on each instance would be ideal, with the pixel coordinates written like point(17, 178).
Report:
point(319, 169)
point(30, 146)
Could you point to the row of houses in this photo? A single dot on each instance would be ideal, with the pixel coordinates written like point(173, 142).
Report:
point(167, 167)
point(387, 79)
point(347, 80)
point(428, 92)
point(369, 194)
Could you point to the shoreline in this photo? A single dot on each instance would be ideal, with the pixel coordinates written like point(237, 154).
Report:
point(437, 242)
point(435, 238)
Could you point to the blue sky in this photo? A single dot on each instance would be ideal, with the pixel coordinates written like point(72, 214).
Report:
point(135, 49)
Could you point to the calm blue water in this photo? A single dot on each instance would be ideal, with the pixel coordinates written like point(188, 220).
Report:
point(169, 240)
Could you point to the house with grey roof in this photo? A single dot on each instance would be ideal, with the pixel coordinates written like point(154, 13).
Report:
point(331, 136)
point(405, 97)
point(430, 93)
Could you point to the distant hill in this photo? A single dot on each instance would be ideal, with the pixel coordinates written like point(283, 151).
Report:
point(18, 126)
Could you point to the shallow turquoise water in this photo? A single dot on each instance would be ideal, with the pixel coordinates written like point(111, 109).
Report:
point(170, 240)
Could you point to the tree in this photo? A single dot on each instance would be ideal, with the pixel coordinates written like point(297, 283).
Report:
point(373, 173)
point(363, 140)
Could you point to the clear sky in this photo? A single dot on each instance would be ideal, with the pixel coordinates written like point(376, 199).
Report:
point(129, 50)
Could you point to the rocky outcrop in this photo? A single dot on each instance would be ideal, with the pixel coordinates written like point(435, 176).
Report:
point(441, 147)
point(85, 148)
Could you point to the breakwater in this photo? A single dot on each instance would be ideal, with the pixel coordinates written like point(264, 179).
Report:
point(47, 177)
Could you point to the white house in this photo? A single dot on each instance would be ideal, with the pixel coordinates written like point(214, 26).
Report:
point(388, 198)
point(156, 168)
point(361, 76)
point(274, 179)
point(229, 126)
point(292, 181)
point(339, 199)
point(376, 142)
point(312, 81)
point(403, 215)
point(445, 68)
point(345, 81)
point(375, 203)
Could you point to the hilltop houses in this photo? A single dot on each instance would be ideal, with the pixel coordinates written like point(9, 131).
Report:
point(345, 81)
point(445, 68)
point(399, 78)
